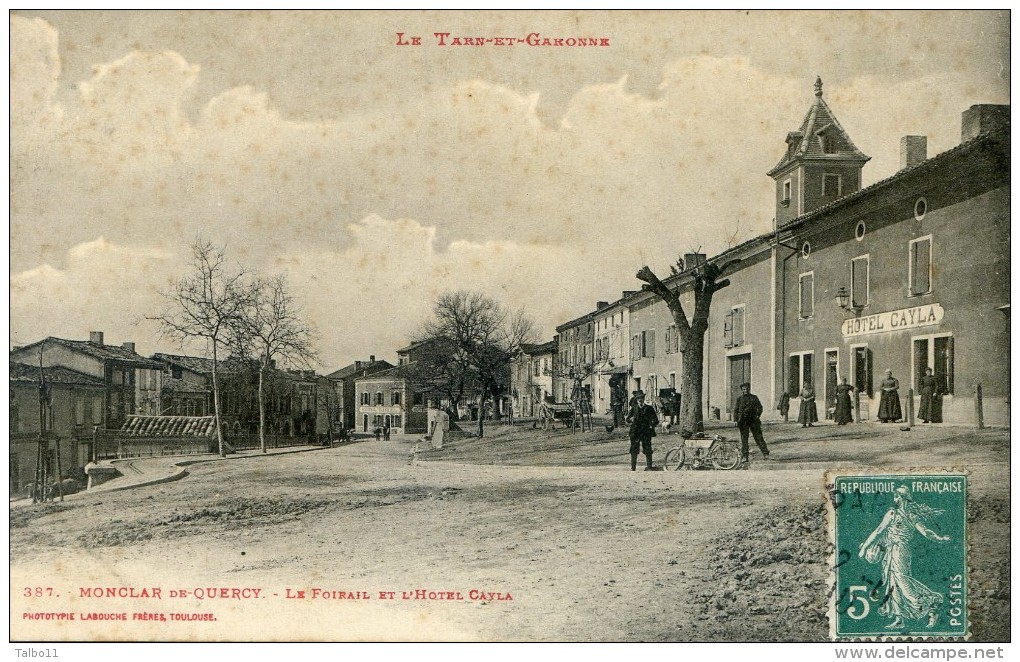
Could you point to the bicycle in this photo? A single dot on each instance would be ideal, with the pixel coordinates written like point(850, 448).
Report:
point(702, 449)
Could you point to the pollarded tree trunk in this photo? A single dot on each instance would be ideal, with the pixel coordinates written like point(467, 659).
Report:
point(704, 282)
point(691, 389)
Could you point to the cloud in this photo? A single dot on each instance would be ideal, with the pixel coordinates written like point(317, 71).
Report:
point(104, 286)
point(374, 295)
point(34, 77)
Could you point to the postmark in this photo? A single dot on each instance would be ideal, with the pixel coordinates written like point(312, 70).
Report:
point(899, 554)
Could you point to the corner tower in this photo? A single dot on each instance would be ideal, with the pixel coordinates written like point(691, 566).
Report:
point(821, 163)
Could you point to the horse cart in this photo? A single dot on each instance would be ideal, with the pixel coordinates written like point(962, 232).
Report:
point(551, 412)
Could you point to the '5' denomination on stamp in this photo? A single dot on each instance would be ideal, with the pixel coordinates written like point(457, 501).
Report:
point(899, 563)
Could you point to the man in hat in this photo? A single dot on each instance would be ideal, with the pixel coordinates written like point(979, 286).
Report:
point(747, 413)
point(643, 420)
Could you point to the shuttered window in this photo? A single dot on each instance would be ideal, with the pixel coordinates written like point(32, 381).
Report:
point(920, 266)
point(807, 295)
point(859, 276)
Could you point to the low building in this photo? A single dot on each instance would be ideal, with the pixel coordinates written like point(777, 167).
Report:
point(342, 391)
point(531, 378)
point(388, 399)
point(71, 406)
point(187, 389)
point(132, 383)
point(612, 342)
point(291, 396)
point(575, 353)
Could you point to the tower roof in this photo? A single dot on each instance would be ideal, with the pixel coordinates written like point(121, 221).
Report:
point(820, 136)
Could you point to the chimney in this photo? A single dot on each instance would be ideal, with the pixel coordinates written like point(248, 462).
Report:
point(371, 358)
point(913, 150)
point(692, 260)
point(357, 365)
point(96, 338)
point(129, 346)
point(627, 293)
point(599, 305)
point(983, 118)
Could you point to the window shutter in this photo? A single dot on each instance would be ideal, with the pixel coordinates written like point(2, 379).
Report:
point(738, 327)
point(921, 265)
point(807, 296)
point(651, 343)
point(868, 371)
point(728, 330)
point(944, 363)
point(859, 269)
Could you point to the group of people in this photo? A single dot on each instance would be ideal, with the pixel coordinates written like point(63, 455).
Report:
point(747, 411)
point(889, 409)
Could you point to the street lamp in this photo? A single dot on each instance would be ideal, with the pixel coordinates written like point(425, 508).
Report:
point(843, 299)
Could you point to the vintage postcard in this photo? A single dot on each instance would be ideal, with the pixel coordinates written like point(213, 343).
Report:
point(510, 326)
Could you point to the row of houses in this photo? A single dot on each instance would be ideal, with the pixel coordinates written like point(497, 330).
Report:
point(907, 274)
point(73, 392)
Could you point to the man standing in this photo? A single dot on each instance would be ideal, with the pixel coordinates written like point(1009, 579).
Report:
point(643, 420)
point(747, 413)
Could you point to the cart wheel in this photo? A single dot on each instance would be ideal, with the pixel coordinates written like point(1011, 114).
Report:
point(726, 456)
point(674, 459)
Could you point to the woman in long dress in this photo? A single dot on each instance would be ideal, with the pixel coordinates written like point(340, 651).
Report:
point(844, 405)
point(931, 399)
point(889, 544)
point(808, 411)
point(889, 404)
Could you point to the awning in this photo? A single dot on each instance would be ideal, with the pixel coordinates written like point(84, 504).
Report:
point(617, 370)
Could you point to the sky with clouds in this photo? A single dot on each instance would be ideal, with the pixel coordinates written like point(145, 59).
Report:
point(376, 176)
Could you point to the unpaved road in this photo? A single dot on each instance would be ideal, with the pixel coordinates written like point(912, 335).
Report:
point(589, 552)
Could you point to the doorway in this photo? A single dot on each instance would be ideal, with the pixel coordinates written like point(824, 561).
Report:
point(831, 381)
point(740, 373)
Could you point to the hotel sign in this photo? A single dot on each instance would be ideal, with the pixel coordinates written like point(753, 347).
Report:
point(894, 320)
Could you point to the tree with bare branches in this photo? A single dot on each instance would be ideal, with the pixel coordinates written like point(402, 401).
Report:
point(579, 375)
point(482, 336)
point(440, 369)
point(704, 278)
point(208, 304)
point(271, 328)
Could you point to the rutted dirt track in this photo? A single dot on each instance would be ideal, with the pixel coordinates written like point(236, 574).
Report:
point(588, 551)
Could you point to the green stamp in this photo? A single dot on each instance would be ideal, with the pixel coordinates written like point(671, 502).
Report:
point(899, 555)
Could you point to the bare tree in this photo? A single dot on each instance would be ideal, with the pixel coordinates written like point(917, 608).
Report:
point(577, 374)
point(271, 328)
point(208, 304)
point(691, 333)
point(440, 369)
point(481, 336)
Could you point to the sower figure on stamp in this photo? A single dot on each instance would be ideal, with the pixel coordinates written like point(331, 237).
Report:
point(905, 597)
point(747, 413)
point(643, 420)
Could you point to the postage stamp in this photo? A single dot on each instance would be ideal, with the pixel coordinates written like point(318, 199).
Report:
point(899, 555)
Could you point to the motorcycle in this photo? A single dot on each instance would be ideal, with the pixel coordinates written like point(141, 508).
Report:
point(702, 450)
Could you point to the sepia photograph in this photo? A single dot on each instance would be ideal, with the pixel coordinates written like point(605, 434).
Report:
point(543, 326)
